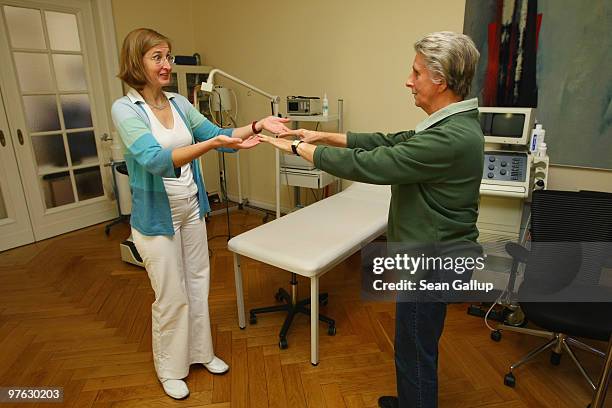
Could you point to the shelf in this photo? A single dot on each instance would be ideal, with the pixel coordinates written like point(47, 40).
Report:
point(295, 162)
point(191, 69)
point(314, 118)
point(46, 169)
point(90, 162)
point(293, 171)
point(305, 178)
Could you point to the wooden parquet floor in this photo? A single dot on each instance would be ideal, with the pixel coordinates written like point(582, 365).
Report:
point(73, 315)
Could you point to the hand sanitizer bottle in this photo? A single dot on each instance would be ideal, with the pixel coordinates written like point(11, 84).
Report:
point(325, 106)
point(537, 138)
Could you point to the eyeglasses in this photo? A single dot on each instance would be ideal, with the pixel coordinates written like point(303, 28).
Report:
point(159, 60)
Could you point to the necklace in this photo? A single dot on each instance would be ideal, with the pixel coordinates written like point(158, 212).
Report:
point(161, 106)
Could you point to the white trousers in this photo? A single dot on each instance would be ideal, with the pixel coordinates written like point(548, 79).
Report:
point(179, 270)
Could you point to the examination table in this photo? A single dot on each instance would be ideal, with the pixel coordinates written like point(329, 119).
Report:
point(312, 240)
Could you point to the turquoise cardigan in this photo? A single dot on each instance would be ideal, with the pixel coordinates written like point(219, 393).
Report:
point(148, 162)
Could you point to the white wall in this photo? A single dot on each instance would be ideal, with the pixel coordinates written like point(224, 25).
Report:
point(574, 179)
point(358, 50)
point(174, 19)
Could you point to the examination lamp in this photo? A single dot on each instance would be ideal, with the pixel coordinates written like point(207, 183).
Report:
point(274, 101)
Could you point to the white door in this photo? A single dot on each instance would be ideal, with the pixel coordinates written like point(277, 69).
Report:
point(54, 104)
point(15, 227)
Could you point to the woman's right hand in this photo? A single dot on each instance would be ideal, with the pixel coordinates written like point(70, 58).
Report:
point(236, 142)
point(227, 141)
point(308, 136)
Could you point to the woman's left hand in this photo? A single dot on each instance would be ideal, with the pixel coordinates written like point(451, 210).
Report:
point(273, 124)
point(249, 142)
point(278, 142)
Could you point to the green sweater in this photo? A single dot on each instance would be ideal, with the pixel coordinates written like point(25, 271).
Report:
point(434, 175)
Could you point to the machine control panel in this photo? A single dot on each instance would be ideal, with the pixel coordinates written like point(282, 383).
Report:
point(505, 166)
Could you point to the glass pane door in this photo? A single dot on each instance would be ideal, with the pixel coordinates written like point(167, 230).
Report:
point(53, 86)
point(48, 55)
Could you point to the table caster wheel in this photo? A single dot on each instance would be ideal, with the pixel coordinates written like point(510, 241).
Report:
point(496, 335)
point(331, 330)
point(253, 319)
point(282, 344)
point(509, 380)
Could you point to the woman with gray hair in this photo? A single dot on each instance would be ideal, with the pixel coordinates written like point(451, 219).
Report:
point(434, 172)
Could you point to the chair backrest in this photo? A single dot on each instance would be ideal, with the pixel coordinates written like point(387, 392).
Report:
point(570, 216)
point(571, 240)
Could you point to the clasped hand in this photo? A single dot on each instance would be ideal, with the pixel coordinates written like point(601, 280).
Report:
point(282, 142)
point(271, 124)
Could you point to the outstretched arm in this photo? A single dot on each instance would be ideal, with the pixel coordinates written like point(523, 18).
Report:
point(305, 150)
point(185, 154)
point(271, 124)
point(314, 137)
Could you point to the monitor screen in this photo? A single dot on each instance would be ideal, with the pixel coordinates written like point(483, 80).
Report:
point(502, 124)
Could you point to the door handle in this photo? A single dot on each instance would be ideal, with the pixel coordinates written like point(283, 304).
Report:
point(20, 136)
point(2, 139)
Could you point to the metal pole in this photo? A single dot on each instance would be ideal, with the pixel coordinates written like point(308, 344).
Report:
point(604, 380)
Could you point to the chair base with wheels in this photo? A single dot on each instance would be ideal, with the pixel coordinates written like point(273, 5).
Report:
point(292, 306)
point(558, 342)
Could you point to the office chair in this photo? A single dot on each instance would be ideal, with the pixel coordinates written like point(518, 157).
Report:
point(571, 242)
point(292, 306)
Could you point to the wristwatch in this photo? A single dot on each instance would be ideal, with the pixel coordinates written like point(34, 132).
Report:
point(294, 146)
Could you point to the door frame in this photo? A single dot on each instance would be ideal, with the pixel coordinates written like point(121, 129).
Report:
point(16, 228)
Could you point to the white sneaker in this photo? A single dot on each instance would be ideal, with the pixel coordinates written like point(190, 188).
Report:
point(176, 389)
point(216, 366)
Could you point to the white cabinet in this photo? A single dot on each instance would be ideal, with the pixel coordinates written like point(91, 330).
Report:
point(184, 79)
point(297, 172)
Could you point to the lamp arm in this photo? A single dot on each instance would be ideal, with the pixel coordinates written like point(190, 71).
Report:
point(275, 101)
point(207, 86)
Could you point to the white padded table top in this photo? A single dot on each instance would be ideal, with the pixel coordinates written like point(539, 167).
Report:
point(314, 239)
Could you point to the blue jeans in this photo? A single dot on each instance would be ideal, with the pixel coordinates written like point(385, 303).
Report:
point(418, 327)
point(419, 322)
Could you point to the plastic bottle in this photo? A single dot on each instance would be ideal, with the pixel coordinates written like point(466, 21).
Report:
point(542, 150)
point(541, 137)
point(325, 106)
point(537, 137)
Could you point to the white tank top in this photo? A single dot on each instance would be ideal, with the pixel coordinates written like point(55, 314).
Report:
point(178, 136)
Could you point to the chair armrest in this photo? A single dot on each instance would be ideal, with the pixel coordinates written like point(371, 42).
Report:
point(517, 252)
